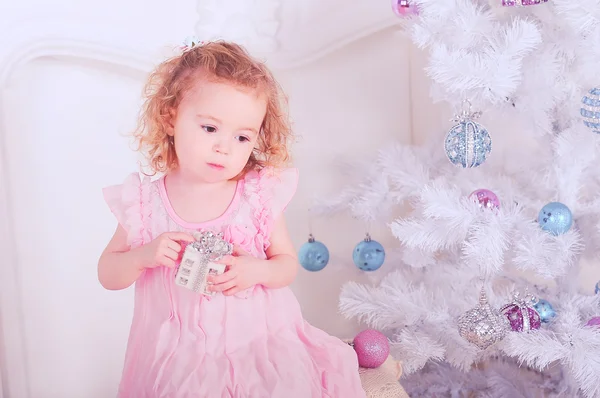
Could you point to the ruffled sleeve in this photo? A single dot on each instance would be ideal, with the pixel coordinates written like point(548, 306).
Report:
point(284, 189)
point(128, 201)
point(268, 192)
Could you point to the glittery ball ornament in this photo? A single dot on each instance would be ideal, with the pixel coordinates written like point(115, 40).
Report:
point(521, 314)
point(313, 255)
point(590, 110)
point(368, 255)
point(468, 143)
point(403, 8)
point(486, 199)
point(519, 3)
point(372, 348)
point(483, 326)
point(545, 310)
point(595, 321)
point(555, 218)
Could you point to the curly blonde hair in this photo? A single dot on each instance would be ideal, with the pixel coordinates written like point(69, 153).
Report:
point(217, 61)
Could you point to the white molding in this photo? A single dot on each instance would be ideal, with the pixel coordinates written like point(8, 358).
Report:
point(14, 53)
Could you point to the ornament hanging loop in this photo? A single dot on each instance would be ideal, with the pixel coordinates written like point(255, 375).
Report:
point(466, 113)
point(368, 230)
point(483, 300)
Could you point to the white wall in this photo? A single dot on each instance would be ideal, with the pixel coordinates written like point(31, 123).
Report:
point(64, 119)
point(344, 106)
point(61, 141)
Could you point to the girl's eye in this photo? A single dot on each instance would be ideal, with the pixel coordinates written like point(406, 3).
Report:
point(242, 138)
point(209, 129)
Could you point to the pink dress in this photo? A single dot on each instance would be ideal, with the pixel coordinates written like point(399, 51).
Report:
point(252, 345)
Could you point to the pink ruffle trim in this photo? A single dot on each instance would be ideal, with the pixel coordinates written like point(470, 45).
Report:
point(269, 192)
point(129, 203)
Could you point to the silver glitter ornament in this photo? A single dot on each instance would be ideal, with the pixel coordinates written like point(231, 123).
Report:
point(483, 325)
point(468, 143)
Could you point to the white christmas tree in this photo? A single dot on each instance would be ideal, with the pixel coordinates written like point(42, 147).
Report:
point(527, 68)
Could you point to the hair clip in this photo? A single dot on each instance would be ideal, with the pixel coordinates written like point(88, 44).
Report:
point(191, 42)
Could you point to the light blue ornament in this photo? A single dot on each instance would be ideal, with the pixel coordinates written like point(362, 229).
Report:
point(368, 255)
point(313, 255)
point(467, 143)
point(555, 218)
point(544, 308)
point(590, 110)
point(597, 289)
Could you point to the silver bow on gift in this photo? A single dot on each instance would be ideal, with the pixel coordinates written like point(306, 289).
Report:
point(198, 261)
point(211, 245)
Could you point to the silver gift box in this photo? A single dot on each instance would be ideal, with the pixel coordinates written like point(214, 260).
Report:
point(198, 261)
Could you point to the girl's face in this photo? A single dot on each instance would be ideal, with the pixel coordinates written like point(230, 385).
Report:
point(216, 128)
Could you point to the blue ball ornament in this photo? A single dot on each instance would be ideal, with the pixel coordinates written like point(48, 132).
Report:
point(544, 308)
point(555, 218)
point(313, 255)
point(368, 255)
point(590, 110)
point(468, 143)
point(597, 288)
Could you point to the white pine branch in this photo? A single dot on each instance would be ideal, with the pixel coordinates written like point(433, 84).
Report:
point(406, 170)
point(488, 240)
point(582, 16)
point(426, 235)
point(583, 360)
point(369, 305)
point(415, 350)
point(459, 352)
point(549, 256)
point(537, 349)
point(461, 23)
point(504, 59)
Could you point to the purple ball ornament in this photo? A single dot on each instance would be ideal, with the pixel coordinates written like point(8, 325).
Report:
point(372, 348)
point(521, 313)
point(486, 199)
point(520, 3)
point(403, 8)
point(595, 321)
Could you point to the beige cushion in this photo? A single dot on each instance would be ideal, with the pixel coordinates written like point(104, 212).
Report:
point(382, 382)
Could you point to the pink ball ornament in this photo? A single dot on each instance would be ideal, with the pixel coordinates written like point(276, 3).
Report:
point(486, 199)
point(595, 321)
point(403, 8)
point(372, 348)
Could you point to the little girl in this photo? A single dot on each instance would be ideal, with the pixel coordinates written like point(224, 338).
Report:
point(213, 126)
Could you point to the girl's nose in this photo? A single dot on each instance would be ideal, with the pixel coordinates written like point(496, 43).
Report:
point(222, 146)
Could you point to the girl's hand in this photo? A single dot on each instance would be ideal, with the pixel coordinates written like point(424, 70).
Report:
point(243, 271)
point(164, 250)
